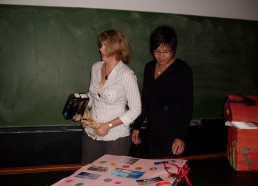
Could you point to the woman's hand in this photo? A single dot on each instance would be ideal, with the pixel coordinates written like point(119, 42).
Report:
point(77, 117)
point(135, 137)
point(178, 146)
point(102, 129)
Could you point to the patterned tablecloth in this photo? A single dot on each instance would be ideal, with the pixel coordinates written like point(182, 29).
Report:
point(126, 171)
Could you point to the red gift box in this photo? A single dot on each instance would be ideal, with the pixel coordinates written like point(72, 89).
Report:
point(242, 151)
point(241, 108)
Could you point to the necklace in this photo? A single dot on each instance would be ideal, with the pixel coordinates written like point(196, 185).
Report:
point(161, 68)
point(108, 69)
point(106, 74)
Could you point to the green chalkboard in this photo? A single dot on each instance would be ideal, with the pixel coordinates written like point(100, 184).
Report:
point(46, 53)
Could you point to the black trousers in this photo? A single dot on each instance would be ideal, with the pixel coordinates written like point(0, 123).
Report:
point(94, 149)
point(160, 146)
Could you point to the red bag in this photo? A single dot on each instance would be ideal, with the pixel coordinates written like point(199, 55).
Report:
point(241, 108)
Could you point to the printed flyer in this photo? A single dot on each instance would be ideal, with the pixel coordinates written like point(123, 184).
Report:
point(126, 171)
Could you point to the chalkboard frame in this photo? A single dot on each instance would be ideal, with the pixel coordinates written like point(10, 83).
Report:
point(46, 53)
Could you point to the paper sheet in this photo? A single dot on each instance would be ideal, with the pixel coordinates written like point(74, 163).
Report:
point(241, 125)
point(123, 170)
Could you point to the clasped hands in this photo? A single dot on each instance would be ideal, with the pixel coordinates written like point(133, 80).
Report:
point(98, 129)
point(87, 121)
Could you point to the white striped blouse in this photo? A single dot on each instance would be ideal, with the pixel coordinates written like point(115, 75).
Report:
point(118, 97)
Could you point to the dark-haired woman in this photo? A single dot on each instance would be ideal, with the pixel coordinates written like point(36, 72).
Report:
point(167, 97)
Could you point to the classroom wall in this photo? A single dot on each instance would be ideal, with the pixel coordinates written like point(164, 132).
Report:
point(41, 47)
point(236, 9)
point(47, 53)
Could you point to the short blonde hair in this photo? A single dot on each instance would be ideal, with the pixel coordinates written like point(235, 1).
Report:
point(117, 44)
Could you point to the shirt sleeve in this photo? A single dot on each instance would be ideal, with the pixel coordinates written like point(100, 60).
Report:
point(132, 96)
point(140, 119)
point(187, 94)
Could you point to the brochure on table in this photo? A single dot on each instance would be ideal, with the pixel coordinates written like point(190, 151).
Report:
point(126, 171)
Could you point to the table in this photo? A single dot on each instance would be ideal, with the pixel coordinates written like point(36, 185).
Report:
point(205, 170)
point(218, 172)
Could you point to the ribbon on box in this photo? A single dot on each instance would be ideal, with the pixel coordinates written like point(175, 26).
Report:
point(241, 108)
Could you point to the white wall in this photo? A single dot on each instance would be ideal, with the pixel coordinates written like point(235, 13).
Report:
point(236, 9)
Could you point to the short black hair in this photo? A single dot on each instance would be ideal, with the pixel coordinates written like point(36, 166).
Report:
point(165, 35)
